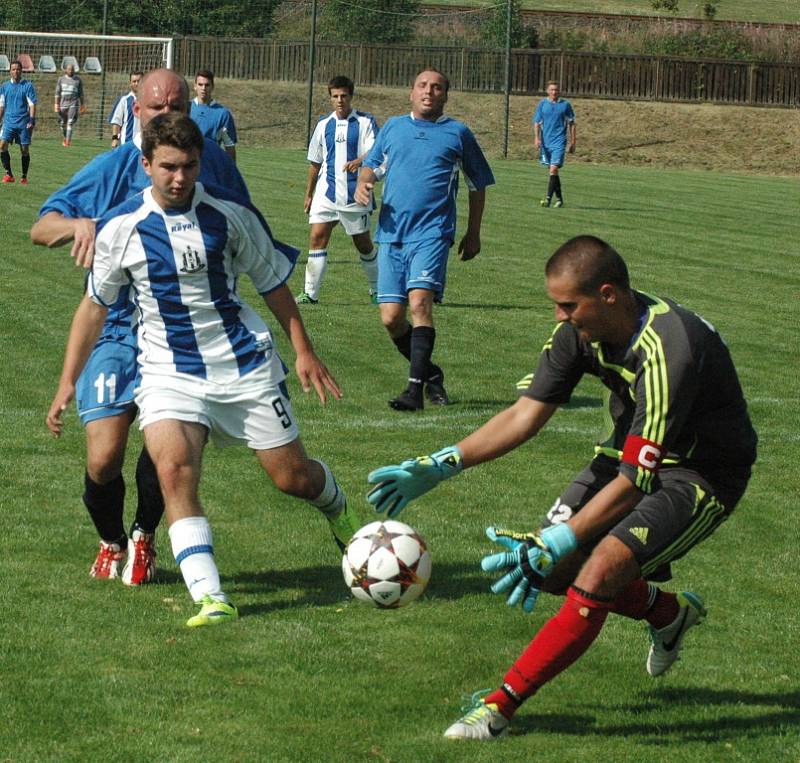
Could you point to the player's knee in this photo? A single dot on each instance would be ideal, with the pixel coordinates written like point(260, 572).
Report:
point(174, 476)
point(103, 471)
point(298, 483)
point(363, 244)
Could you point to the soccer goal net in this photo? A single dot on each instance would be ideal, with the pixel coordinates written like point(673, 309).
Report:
point(104, 63)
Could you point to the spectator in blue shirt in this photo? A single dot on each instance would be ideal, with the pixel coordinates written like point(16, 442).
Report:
point(420, 155)
point(553, 129)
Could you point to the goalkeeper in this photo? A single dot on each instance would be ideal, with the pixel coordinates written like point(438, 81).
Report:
point(672, 470)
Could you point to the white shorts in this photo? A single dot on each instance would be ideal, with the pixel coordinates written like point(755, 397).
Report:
point(248, 412)
point(354, 221)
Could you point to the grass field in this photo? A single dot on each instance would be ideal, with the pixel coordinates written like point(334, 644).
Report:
point(95, 671)
point(778, 11)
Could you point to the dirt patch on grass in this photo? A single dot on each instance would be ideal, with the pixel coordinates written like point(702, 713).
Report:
point(721, 138)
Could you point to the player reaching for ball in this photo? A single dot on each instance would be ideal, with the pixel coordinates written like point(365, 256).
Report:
point(209, 366)
point(671, 471)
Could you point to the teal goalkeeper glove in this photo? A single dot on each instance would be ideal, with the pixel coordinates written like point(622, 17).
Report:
point(531, 559)
point(396, 486)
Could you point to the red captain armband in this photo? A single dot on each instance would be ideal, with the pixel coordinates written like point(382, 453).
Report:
point(642, 453)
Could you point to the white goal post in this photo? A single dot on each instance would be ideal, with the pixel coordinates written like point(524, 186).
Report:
point(104, 63)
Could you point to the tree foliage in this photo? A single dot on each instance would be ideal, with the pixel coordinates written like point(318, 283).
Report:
point(376, 21)
point(220, 18)
point(494, 31)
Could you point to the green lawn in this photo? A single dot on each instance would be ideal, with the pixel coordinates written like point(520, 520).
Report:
point(92, 670)
point(778, 11)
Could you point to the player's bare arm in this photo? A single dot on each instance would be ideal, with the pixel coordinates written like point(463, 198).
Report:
point(353, 165)
point(572, 137)
point(366, 182)
point(54, 229)
point(537, 134)
point(615, 501)
point(310, 369)
point(506, 431)
point(83, 334)
point(470, 244)
point(311, 185)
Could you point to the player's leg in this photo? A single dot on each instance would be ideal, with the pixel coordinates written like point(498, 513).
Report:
point(5, 157)
point(177, 450)
point(104, 487)
point(322, 224)
point(356, 225)
point(104, 399)
point(295, 474)
point(70, 117)
point(559, 643)
point(663, 527)
point(25, 152)
point(423, 337)
point(141, 564)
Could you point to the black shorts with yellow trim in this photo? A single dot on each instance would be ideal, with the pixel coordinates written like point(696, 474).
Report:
point(683, 511)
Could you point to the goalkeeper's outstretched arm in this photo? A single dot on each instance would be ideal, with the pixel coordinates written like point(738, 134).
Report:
point(507, 430)
point(397, 485)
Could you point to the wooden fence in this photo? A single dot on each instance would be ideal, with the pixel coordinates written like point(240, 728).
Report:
point(596, 75)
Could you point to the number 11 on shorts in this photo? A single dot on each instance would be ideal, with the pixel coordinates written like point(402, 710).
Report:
point(101, 384)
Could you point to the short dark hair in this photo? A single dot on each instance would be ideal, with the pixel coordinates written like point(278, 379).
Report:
point(435, 71)
point(173, 129)
point(206, 73)
point(137, 73)
point(15, 62)
point(591, 261)
point(340, 81)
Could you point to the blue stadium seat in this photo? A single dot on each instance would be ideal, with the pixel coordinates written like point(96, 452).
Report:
point(67, 60)
point(47, 64)
point(92, 65)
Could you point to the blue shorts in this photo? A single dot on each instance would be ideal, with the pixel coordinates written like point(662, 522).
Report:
point(416, 265)
point(105, 388)
point(550, 156)
point(21, 134)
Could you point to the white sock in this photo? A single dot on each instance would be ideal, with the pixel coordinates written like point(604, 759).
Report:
point(332, 499)
point(370, 264)
point(316, 266)
point(194, 553)
point(68, 133)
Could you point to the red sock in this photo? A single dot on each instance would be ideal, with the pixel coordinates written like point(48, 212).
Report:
point(561, 641)
point(643, 600)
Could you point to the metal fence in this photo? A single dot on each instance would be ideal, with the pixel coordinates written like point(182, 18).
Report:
point(596, 75)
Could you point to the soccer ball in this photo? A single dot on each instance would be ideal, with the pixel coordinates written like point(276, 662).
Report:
point(386, 564)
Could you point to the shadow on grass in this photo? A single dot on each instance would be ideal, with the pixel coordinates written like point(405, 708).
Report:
point(324, 586)
point(657, 731)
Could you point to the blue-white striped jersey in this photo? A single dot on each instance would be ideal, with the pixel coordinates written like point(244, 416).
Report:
point(122, 115)
point(334, 143)
point(183, 267)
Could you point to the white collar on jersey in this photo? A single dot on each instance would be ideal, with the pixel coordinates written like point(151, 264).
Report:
point(197, 101)
point(442, 118)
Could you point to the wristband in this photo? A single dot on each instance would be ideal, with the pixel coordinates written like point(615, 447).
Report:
point(559, 539)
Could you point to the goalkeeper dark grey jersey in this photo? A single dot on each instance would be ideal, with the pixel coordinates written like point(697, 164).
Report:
point(69, 90)
point(674, 396)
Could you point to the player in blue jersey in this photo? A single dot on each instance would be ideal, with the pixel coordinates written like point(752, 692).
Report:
point(18, 116)
point(209, 366)
point(70, 102)
point(214, 120)
point(672, 465)
point(554, 134)
point(421, 155)
point(105, 390)
point(339, 144)
point(124, 123)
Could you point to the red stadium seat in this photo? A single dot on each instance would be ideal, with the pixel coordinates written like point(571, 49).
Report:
point(27, 62)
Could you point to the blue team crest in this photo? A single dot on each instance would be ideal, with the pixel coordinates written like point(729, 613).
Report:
point(421, 135)
point(191, 261)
